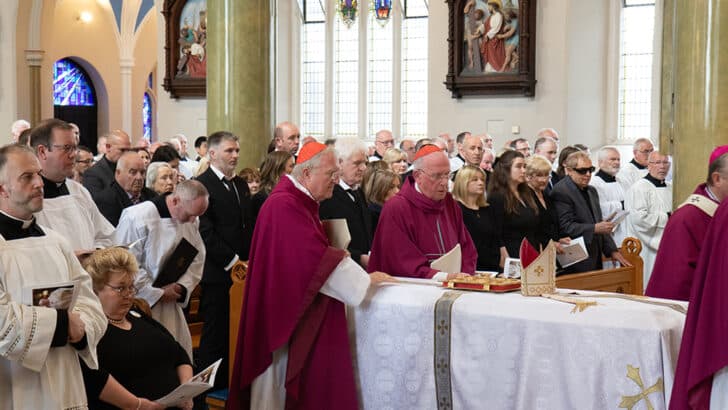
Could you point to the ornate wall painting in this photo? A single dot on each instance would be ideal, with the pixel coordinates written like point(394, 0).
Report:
point(185, 47)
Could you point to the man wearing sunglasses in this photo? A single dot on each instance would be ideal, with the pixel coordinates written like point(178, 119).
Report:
point(577, 205)
point(649, 202)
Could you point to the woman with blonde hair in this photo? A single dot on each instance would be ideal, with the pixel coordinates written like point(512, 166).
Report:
point(396, 159)
point(139, 360)
point(378, 185)
point(538, 174)
point(479, 217)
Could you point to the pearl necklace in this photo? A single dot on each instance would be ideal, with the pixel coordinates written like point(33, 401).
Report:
point(115, 321)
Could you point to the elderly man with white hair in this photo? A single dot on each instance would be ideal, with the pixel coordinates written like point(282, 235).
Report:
point(421, 223)
point(347, 200)
point(610, 190)
point(17, 128)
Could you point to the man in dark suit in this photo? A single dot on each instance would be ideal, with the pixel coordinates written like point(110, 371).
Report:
point(226, 229)
point(577, 204)
point(102, 174)
point(348, 201)
point(126, 190)
point(548, 148)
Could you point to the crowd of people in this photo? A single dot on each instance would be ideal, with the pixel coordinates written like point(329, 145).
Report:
point(138, 227)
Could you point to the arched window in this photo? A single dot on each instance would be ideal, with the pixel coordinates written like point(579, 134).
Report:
point(74, 99)
point(71, 85)
point(148, 109)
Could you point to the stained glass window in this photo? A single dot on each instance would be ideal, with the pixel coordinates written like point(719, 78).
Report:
point(71, 85)
point(147, 117)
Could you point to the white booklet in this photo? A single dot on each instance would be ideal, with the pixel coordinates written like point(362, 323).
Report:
point(338, 232)
point(59, 295)
point(449, 262)
point(199, 383)
point(574, 252)
point(617, 217)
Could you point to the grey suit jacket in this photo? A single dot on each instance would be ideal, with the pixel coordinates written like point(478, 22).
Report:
point(98, 177)
point(577, 218)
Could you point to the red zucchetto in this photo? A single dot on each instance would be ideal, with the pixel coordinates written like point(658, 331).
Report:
point(308, 151)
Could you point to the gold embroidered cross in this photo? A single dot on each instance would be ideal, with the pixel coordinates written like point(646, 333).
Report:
point(628, 402)
point(539, 270)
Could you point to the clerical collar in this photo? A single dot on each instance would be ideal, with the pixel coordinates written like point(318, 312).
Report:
point(14, 228)
point(160, 202)
point(606, 177)
point(633, 162)
point(52, 189)
point(656, 182)
point(300, 187)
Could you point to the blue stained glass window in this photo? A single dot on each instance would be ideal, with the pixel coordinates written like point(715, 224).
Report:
point(147, 117)
point(71, 85)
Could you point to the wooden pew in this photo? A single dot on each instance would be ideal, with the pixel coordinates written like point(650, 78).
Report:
point(194, 320)
point(620, 280)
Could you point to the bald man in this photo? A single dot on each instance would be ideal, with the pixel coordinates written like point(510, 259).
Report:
point(126, 190)
point(286, 137)
point(101, 175)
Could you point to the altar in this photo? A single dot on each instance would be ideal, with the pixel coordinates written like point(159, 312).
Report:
point(505, 351)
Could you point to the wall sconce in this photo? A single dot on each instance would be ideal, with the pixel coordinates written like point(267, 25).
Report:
point(85, 17)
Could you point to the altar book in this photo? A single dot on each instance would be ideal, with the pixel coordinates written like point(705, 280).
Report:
point(450, 262)
point(337, 231)
point(176, 264)
point(199, 383)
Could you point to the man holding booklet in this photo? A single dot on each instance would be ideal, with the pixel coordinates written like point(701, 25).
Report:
point(170, 252)
point(40, 346)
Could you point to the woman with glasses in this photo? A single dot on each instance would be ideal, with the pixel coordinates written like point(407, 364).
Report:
point(139, 361)
point(479, 217)
point(513, 203)
point(378, 185)
point(538, 174)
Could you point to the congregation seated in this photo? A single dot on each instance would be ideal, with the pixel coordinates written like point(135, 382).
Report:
point(167, 153)
point(396, 159)
point(479, 217)
point(379, 186)
point(161, 178)
point(139, 360)
point(275, 165)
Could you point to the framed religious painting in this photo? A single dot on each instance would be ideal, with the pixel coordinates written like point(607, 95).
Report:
point(491, 47)
point(185, 47)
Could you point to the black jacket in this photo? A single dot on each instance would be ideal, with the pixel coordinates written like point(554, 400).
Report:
point(112, 200)
point(357, 215)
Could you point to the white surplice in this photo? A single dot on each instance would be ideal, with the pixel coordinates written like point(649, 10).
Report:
point(34, 375)
point(348, 283)
point(629, 174)
point(76, 218)
point(158, 239)
point(648, 206)
point(611, 197)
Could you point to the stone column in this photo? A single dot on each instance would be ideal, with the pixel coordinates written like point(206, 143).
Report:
point(239, 74)
point(695, 88)
point(125, 66)
point(34, 58)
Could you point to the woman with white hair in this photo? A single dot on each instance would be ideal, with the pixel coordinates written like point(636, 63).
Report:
point(161, 177)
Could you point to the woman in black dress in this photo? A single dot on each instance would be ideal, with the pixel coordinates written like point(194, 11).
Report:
point(378, 185)
point(538, 173)
point(139, 360)
point(513, 203)
point(479, 217)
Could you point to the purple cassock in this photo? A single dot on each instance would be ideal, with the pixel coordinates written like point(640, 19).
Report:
point(677, 256)
point(703, 350)
point(414, 230)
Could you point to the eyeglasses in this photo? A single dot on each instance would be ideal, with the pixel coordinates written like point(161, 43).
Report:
point(438, 177)
point(584, 171)
point(122, 290)
point(67, 148)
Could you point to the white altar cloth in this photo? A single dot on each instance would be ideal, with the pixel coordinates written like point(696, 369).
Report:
point(512, 352)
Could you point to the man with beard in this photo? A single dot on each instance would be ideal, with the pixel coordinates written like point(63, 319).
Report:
point(611, 192)
point(127, 189)
point(347, 200)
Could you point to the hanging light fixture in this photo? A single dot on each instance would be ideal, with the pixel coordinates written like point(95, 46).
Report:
point(382, 10)
point(348, 10)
